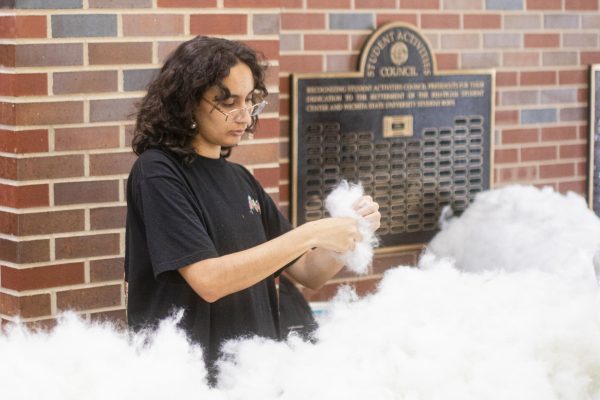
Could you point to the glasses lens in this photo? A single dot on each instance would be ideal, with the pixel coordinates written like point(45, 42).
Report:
point(240, 113)
point(258, 108)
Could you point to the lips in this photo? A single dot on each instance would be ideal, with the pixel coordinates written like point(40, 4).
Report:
point(238, 132)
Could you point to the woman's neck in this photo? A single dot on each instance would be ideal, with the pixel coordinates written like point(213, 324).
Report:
point(208, 151)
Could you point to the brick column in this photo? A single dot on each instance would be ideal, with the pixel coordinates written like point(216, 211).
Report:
point(56, 251)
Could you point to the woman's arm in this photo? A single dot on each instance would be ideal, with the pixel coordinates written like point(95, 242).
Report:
point(215, 278)
point(315, 268)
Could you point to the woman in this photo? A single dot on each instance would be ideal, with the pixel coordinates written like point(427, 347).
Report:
point(202, 234)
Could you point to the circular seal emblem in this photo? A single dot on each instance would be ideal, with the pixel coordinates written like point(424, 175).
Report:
point(399, 53)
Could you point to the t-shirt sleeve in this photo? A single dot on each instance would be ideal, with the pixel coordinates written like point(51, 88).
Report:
point(273, 220)
point(175, 232)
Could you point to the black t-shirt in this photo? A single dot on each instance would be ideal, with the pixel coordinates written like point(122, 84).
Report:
point(178, 215)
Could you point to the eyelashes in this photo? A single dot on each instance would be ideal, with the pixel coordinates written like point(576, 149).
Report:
point(247, 101)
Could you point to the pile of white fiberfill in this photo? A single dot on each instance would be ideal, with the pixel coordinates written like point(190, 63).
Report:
point(434, 332)
point(78, 360)
point(438, 333)
point(522, 228)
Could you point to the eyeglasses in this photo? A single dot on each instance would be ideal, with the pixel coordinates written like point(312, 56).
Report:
point(240, 113)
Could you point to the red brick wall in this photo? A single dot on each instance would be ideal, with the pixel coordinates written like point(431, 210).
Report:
point(69, 84)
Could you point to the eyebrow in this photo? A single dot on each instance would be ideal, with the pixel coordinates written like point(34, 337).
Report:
point(237, 96)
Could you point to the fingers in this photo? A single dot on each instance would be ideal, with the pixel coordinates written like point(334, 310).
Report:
point(338, 234)
point(369, 210)
point(374, 220)
point(361, 201)
point(365, 206)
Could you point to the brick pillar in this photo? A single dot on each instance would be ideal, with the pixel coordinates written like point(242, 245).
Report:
point(18, 244)
point(61, 219)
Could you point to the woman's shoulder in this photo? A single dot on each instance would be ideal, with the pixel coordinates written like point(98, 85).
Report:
point(156, 162)
point(156, 155)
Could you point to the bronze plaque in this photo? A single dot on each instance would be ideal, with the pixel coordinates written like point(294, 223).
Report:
point(416, 139)
point(594, 163)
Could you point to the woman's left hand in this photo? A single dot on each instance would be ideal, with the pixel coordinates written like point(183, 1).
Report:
point(368, 209)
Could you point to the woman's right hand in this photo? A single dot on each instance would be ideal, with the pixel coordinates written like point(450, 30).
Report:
point(335, 234)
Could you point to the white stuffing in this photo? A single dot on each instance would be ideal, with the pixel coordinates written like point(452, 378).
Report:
point(437, 333)
point(79, 360)
point(340, 203)
point(517, 319)
point(522, 227)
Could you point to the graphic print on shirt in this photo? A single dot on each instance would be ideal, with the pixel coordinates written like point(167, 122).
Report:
point(254, 205)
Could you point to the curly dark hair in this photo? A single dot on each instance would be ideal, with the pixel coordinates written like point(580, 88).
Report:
point(166, 114)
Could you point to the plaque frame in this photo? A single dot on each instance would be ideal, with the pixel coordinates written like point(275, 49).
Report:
point(593, 162)
point(360, 73)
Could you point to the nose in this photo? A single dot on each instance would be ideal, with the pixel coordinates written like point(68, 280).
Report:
point(244, 117)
